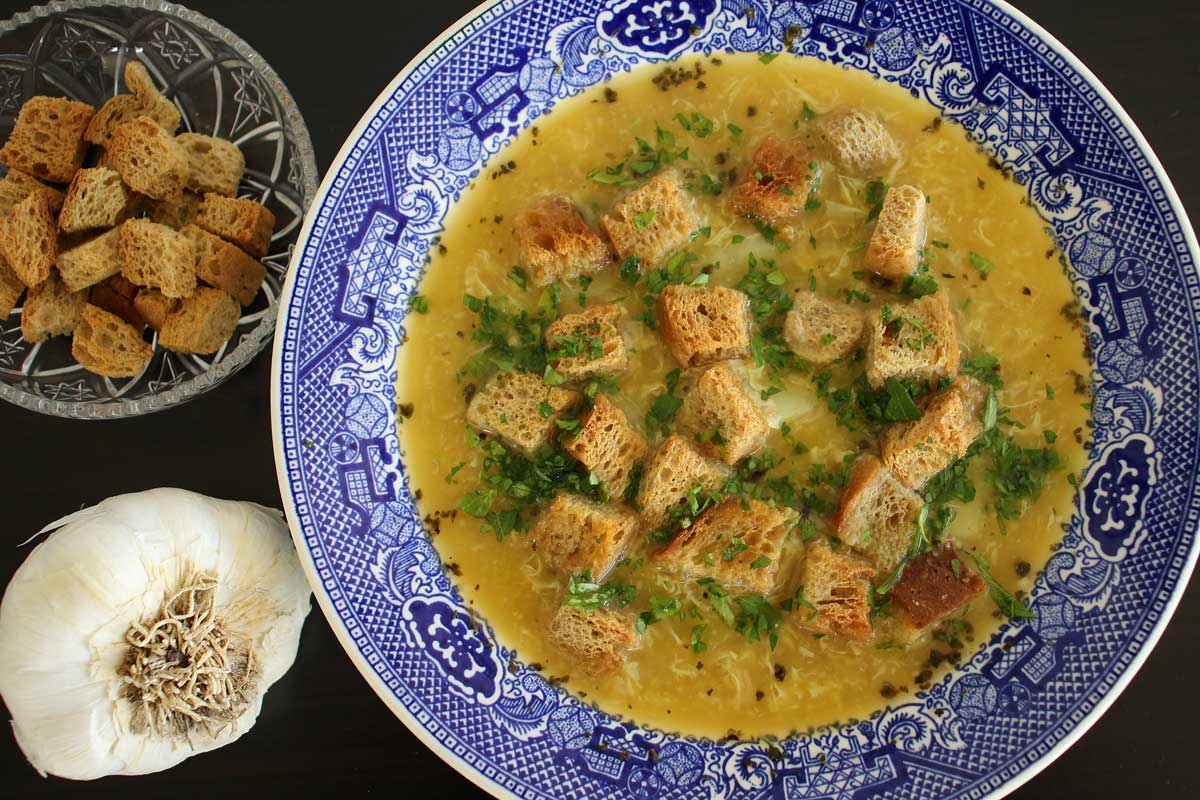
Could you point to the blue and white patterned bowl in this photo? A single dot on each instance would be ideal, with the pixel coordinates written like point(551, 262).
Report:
point(1100, 602)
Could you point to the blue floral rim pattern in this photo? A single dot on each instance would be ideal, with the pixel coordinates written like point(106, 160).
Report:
point(1099, 602)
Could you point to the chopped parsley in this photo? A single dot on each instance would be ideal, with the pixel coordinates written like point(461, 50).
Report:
point(1005, 600)
point(588, 595)
point(876, 191)
point(420, 304)
point(518, 276)
point(979, 262)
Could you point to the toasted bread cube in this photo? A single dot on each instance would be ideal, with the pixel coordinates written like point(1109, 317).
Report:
point(822, 331)
point(96, 198)
point(177, 211)
point(29, 239)
point(952, 420)
point(149, 159)
point(116, 295)
point(201, 324)
point(220, 264)
point(50, 310)
point(877, 515)
point(510, 407)
point(554, 243)
point(895, 247)
point(214, 165)
point(587, 343)
point(596, 641)
point(918, 340)
point(246, 223)
point(107, 345)
point(838, 587)
point(91, 262)
point(575, 535)
point(16, 186)
point(607, 445)
point(145, 101)
point(47, 141)
point(702, 325)
point(154, 307)
point(934, 585)
point(721, 416)
point(858, 143)
point(652, 221)
point(779, 181)
point(674, 470)
point(737, 543)
point(11, 288)
point(154, 255)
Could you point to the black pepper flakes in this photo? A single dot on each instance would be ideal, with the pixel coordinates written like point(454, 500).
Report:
point(454, 569)
point(1022, 568)
point(610, 96)
point(780, 672)
point(934, 126)
point(758, 695)
point(751, 111)
point(405, 410)
point(1027, 291)
point(887, 691)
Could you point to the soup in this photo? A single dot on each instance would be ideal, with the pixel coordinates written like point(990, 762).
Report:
point(761, 667)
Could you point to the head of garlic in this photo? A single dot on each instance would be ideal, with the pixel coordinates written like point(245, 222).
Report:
point(146, 629)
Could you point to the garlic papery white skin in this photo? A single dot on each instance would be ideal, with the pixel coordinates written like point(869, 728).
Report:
point(146, 629)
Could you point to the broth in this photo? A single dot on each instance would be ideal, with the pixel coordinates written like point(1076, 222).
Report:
point(1017, 312)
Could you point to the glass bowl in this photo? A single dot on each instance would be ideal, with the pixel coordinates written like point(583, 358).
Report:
point(222, 87)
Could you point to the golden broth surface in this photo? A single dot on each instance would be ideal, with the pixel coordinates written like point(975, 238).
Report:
point(1016, 313)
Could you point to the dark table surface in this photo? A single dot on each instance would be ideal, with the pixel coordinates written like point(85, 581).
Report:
point(322, 729)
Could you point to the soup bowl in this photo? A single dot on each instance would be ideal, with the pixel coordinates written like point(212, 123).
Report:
point(1100, 601)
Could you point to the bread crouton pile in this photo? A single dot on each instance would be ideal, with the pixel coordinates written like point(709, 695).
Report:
point(150, 238)
point(719, 423)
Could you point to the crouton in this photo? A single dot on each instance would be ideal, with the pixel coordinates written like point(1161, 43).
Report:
point(895, 247)
point(220, 264)
point(674, 470)
point(154, 255)
point(246, 223)
point(214, 165)
point(587, 343)
point(16, 186)
point(149, 159)
point(115, 295)
point(107, 345)
point(11, 287)
point(145, 101)
point(597, 641)
point(510, 407)
point(934, 585)
point(50, 310)
point(201, 324)
point(858, 143)
point(918, 340)
point(951, 421)
point(822, 331)
point(154, 307)
point(702, 325)
point(91, 262)
point(96, 198)
point(575, 535)
point(721, 417)
point(737, 543)
point(29, 239)
point(652, 221)
point(47, 141)
point(779, 181)
point(837, 586)
point(607, 445)
point(177, 211)
point(554, 243)
point(877, 515)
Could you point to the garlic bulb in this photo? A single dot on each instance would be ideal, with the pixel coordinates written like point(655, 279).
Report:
point(146, 629)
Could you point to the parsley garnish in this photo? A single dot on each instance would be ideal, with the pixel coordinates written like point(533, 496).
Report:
point(420, 304)
point(588, 595)
point(1006, 600)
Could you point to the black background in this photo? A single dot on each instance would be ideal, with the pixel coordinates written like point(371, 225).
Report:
point(322, 729)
